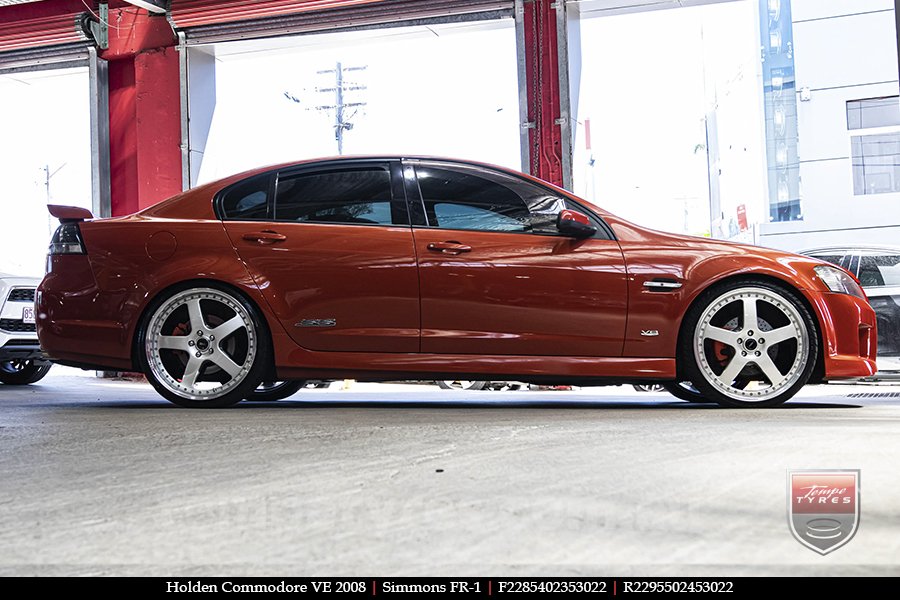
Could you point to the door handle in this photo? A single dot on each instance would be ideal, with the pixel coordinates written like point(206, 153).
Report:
point(449, 247)
point(264, 237)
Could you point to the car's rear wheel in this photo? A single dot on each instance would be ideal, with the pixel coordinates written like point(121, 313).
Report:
point(648, 387)
point(22, 372)
point(204, 347)
point(270, 391)
point(748, 343)
point(460, 384)
point(685, 390)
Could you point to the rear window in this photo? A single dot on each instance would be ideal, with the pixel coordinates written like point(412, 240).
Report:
point(247, 200)
point(878, 270)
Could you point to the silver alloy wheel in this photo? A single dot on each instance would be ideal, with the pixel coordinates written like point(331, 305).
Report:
point(201, 344)
point(751, 344)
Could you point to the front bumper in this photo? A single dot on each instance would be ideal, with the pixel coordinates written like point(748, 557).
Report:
point(849, 336)
point(22, 350)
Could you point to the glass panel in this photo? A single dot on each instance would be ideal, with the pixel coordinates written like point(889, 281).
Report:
point(351, 196)
point(247, 200)
point(461, 200)
point(880, 270)
point(876, 163)
point(873, 112)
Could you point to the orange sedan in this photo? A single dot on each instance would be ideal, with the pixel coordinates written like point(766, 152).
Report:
point(388, 268)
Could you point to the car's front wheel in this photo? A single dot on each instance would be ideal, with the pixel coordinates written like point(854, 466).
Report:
point(204, 347)
point(748, 343)
point(22, 372)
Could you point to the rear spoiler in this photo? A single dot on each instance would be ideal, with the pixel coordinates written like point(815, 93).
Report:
point(69, 214)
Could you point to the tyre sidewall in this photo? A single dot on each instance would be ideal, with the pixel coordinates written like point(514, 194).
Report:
point(241, 391)
point(686, 344)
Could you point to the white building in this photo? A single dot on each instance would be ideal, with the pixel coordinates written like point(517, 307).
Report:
point(848, 121)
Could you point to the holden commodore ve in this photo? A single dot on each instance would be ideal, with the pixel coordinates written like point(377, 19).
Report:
point(390, 268)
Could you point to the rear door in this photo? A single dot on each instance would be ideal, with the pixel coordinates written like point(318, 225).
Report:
point(497, 278)
point(331, 249)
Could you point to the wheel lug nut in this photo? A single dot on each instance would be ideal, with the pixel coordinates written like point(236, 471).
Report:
point(190, 342)
point(212, 338)
point(750, 333)
point(759, 353)
point(762, 341)
point(740, 341)
point(199, 355)
point(199, 333)
point(743, 354)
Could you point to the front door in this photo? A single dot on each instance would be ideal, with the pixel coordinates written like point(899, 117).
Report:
point(497, 278)
point(330, 248)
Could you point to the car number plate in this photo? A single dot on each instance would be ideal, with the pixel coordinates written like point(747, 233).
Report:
point(28, 314)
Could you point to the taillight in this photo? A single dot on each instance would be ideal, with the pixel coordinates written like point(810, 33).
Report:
point(67, 240)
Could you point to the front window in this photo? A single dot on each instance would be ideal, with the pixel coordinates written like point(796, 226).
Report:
point(471, 198)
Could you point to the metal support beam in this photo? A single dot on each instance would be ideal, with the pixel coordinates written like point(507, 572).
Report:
point(197, 78)
point(542, 40)
point(98, 73)
point(566, 118)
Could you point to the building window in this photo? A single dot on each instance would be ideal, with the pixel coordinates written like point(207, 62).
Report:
point(873, 112)
point(876, 163)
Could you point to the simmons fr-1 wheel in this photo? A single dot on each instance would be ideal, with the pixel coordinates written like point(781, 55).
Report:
point(22, 372)
point(270, 391)
point(459, 384)
point(204, 347)
point(748, 343)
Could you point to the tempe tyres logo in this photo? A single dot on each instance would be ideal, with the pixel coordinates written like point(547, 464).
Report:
point(823, 508)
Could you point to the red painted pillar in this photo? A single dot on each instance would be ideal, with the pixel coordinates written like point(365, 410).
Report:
point(542, 87)
point(144, 111)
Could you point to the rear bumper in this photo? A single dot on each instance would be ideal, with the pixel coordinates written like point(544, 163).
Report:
point(849, 336)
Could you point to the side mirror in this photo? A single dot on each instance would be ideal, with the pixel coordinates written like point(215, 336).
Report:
point(574, 224)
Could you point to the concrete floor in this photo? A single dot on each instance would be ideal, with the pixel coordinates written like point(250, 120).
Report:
point(104, 477)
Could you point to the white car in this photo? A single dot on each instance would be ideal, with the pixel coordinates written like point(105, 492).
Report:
point(21, 359)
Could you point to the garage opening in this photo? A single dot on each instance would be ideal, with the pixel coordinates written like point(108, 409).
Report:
point(447, 89)
point(670, 127)
point(45, 157)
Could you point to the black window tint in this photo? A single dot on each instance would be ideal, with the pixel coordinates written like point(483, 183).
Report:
point(880, 270)
point(462, 200)
point(247, 200)
point(359, 195)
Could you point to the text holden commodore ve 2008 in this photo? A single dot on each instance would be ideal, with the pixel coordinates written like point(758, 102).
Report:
point(393, 268)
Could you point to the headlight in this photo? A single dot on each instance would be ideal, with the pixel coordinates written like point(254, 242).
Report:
point(839, 281)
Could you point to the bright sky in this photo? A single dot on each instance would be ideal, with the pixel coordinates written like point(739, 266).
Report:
point(447, 90)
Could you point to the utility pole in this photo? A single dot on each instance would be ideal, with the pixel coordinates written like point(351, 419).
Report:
point(47, 176)
point(342, 120)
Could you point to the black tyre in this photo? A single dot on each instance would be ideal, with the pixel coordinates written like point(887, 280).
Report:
point(459, 384)
point(270, 391)
point(22, 372)
point(204, 347)
point(748, 343)
point(647, 387)
point(685, 390)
